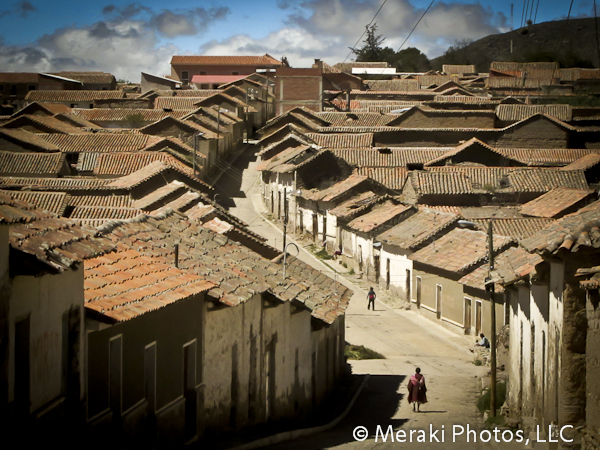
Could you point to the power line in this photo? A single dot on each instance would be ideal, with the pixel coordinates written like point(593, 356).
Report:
point(416, 25)
point(366, 28)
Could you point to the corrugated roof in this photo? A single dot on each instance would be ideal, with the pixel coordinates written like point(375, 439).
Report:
point(126, 284)
point(554, 202)
point(459, 250)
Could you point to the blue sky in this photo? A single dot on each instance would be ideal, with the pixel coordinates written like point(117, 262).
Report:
point(124, 37)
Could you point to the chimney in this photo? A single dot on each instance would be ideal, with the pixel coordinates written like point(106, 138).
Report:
point(318, 64)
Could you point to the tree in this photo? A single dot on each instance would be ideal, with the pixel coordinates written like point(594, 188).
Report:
point(412, 60)
point(372, 50)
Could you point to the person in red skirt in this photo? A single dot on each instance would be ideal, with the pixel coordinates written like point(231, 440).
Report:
point(417, 390)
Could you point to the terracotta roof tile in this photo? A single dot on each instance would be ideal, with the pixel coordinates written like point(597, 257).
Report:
point(390, 177)
point(459, 250)
point(380, 215)
point(42, 164)
point(335, 191)
point(129, 286)
point(43, 124)
point(355, 205)
point(71, 96)
point(512, 264)
point(332, 140)
point(352, 119)
point(418, 228)
point(392, 85)
point(555, 202)
point(138, 177)
point(388, 157)
point(546, 157)
point(119, 164)
point(584, 163)
point(513, 113)
point(53, 202)
point(119, 115)
point(177, 103)
point(227, 60)
point(100, 142)
point(515, 227)
point(27, 140)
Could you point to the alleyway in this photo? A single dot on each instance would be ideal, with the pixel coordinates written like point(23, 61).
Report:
point(406, 339)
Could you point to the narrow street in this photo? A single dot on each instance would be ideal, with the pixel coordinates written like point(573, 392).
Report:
point(405, 338)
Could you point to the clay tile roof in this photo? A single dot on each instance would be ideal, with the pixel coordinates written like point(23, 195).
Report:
point(125, 284)
point(115, 201)
point(71, 96)
point(461, 148)
point(418, 228)
point(459, 250)
point(44, 124)
point(333, 192)
point(511, 265)
point(570, 233)
point(237, 272)
point(19, 77)
point(458, 69)
point(218, 226)
point(380, 215)
point(332, 140)
point(352, 119)
point(53, 184)
point(510, 113)
point(390, 177)
point(27, 140)
point(121, 114)
point(546, 157)
point(103, 212)
point(464, 99)
point(584, 163)
point(177, 103)
point(392, 85)
point(227, 60)
point(515, 227)
point(42, 164)
point(138, 177)
point(555, 202)
point(388, 157)
point(354, 205)
point(215, 79)
point(99, 142)
point(119, 164)
point(215, 98)
point(88, 77)
point(56, 243)
point(159, 194)
point(53, 202)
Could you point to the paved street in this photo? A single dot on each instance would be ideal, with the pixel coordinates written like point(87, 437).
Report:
point(406, 339)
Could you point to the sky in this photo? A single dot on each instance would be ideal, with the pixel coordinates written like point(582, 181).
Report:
point(126, 38)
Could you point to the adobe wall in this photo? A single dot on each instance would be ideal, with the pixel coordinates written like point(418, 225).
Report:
point(592, 437)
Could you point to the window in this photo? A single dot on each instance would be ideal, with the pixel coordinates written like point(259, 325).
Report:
point(74, 105)
point(202, 73)
point(235, 73)
point(185, 76)
point(1, 87)
point(31, 87)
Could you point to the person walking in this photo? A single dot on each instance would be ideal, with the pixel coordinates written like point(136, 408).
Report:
point(371, 298)
point(417, 390)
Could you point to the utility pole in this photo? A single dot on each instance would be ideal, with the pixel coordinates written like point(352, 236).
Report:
point(285, 217)
point(490, 288)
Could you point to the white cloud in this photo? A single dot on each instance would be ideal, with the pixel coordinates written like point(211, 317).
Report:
point(327, 28)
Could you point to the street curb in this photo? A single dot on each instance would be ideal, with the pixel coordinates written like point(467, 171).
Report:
point(303, 432)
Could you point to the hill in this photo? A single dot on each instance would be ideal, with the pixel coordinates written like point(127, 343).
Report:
point(540, 42)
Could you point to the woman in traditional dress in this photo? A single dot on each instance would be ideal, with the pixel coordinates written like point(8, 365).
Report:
point(417, 389)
